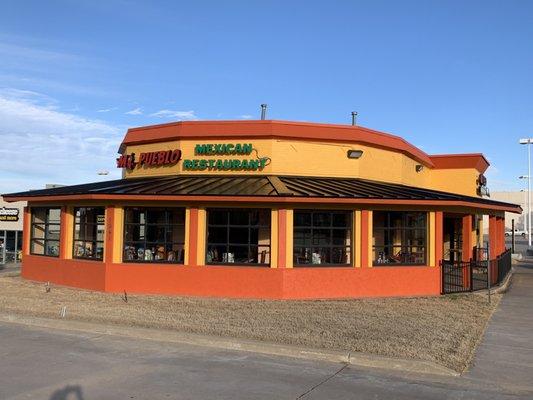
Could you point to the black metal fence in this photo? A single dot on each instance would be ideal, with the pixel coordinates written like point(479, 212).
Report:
point(467, 276)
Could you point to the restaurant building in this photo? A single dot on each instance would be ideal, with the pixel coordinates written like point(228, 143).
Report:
point(264, 209)
point(11, 231)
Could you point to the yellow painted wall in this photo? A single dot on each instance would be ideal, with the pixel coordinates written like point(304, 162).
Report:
point(431, 239)
point(308, 158)
point(356, 258)
point(455, 180)
point(274, 232)
point(202, 233)
point(69, 232)
point(118, 235)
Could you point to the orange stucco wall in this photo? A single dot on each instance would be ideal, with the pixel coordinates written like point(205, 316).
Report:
point(235, 282)
point(77, 273)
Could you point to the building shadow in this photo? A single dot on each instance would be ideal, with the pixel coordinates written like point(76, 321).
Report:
point(69, 392)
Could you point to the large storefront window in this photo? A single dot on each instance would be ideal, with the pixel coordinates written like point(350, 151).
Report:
point(45, 231)
point(89, 225)
point(322, 238)
point(154, 235)
point(238, 236)
point(399, 238)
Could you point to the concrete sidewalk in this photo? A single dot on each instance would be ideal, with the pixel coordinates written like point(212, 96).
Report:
point(505, 355)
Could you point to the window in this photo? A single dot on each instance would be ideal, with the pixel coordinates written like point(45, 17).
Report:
point(322, 238)
point(154, 235)
point(89, 225)
point(45, 231)
point(399, 238)
point(238, 236)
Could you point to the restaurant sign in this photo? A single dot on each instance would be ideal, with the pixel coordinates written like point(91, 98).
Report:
point(149, 159)
point(213, 157)
point(9, 214)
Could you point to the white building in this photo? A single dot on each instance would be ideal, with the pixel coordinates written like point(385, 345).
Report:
point(11, 216)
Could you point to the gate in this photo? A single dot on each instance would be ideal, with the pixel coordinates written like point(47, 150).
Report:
point(468, 276)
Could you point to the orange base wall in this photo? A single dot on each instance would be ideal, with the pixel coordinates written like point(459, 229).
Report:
point(236, 282)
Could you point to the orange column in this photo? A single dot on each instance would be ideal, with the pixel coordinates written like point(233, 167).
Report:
point(365, 227)
point(467, 237)
point(109, 234)
point(192, 247)
point(282, 238)
point(502, 234)
point(493, 239)
point(26, 233)
point(439, 234)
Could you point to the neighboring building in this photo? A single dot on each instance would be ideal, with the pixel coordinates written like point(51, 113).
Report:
point(516, 197)
point(11, 231)
point(264, 209)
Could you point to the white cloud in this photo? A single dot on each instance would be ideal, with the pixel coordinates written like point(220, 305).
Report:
point(41, 144)
point(106, 110)
point(135, 111)
point(246, 116)
point(181, 115)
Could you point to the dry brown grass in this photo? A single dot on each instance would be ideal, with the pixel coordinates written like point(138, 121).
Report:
point(440, 329)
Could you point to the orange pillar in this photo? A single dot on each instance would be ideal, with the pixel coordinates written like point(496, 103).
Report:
point(26, 232)
point(365, 227)
point(467, 237)
point(109, 234)
point(502, 235)
point(493, 238)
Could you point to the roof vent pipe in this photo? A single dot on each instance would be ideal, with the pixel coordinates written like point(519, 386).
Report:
point(354, 118)
point(263, 111)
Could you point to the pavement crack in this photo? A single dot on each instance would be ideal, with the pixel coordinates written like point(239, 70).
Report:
point(322, 382)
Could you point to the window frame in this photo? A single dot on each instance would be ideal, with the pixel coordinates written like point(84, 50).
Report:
point(404, 229)
point(94, 242)
point(166, 225)
point(249, 226)
point(46, 224)
point(331, 228)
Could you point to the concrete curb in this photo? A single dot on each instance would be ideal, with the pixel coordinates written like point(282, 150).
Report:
point(160, 335)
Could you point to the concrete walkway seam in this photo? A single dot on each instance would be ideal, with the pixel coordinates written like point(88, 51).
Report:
point(161, 335)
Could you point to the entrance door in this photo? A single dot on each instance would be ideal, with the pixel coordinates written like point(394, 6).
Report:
point(453, 239)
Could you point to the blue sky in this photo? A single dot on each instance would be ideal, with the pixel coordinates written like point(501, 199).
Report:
point(449, 76)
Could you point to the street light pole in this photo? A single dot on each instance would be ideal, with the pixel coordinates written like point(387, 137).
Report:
point(528, 143)
point(524, 220)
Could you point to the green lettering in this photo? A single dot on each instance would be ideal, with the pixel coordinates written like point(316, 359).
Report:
point(227, 164)
point(247, 148)
point(220, 165)
point(230, 148)
point(218, 149)
point(238, 149)
point(253, 164)
point(209, 149)
point(211, 164)
point(187, 164)
point(200, 149)
point(195, 164)
point(244, 164)
point(203, 164)
point(236, 164)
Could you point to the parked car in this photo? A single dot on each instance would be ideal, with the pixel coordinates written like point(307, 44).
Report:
point(517, 232)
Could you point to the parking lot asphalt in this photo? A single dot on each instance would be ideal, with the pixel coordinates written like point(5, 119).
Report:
point(65, 365)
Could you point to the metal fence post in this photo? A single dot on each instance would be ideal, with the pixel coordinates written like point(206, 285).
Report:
point(471, 275)
point(488, 277)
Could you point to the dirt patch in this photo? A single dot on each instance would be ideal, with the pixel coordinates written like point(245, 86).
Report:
point(440, 329)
